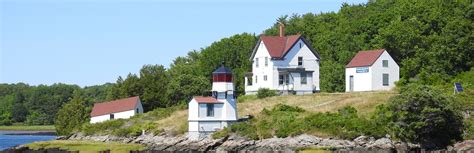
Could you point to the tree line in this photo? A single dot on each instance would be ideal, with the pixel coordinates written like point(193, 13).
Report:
point(432, 41)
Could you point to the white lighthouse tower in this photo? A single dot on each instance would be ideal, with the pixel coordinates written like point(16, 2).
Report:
point(210, 114)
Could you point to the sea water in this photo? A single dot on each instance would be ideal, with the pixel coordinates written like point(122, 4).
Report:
point(7, 141)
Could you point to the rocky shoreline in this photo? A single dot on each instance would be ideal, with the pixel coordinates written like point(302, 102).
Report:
point(237, 143)
point(290, 144)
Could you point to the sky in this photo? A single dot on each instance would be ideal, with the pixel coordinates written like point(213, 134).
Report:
point(91, 42)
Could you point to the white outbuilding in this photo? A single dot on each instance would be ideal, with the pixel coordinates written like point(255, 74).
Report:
point(122, 108)
point(213, 113)
point(371, 70)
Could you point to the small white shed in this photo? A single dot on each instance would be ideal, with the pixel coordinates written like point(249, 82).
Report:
point(371, 70)
point(122, 108)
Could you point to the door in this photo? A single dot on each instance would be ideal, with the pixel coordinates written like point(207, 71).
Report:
point(351, 83)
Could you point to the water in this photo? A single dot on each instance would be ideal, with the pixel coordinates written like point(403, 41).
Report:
point(7, 141)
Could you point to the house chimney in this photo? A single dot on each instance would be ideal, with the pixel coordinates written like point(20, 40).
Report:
point(282, 29)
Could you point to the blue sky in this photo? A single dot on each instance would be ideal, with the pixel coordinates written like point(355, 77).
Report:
point(89, 42)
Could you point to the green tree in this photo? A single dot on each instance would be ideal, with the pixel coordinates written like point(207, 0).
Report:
point(37, 118)
point(154, 81)
point(19, 112)
point(71, 116)
point(422, 114)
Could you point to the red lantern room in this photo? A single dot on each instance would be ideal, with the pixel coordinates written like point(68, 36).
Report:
point(222, 74)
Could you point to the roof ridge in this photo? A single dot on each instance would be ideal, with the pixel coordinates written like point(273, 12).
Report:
point(116, 100)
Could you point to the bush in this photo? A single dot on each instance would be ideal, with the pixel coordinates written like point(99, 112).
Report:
point(280, 121)
point(127, 131)
point(245, 129)
point(103, 127)
point(422, 114)
point(287, 108)
point(265, 92)
point(284, 120)
point(221, 134)
point(343, 124)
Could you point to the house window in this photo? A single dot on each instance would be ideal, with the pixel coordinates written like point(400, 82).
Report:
point(214, 94)
point(283, 79)
point(266, 61)
point(137, 110)
point(385, 79)
point(210, 110)
point(301, 45)
point(265, 78)
point(256, 79)
point(111, 116)
point(221, 95)
point(304, 80)
point(256, 62)
point(300, 61)
point(249, 81)
point(385, 63)
point(280, 79)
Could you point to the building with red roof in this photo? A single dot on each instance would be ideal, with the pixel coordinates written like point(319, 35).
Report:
point(121, 108)
point(371, 70)
point(213, 113)
point(283, 63)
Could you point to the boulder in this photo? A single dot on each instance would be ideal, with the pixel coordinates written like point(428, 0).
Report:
point(464, 146)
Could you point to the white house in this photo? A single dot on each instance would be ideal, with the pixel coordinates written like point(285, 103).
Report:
point(209, 114)
point(122, 108)
point(283, 63)
point(371, 70)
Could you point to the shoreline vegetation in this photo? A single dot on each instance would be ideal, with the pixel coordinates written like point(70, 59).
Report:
point(45, 128)
point(86, 146)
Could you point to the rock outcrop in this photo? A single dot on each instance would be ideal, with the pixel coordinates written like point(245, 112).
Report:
point(238, 143)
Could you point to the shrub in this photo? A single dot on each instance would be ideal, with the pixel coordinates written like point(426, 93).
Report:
point(265, 92)
point(422, 114)
point(127, 131)
point(245, 129)
point(103, 127)
point(221, 134)
point(284, 120)
point(287, 108)
point(343, 124)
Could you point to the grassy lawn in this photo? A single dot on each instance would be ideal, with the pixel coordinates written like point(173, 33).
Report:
point(364, 102)
point(28, 128)
point(86, 146)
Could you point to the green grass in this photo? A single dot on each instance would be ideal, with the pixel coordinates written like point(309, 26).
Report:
point(28, 128)
point(86, 146)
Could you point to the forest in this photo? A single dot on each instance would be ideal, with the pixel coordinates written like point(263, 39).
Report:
point(432, 41)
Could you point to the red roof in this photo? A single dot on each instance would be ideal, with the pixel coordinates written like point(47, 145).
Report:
point(115, 106)
point(278, 46)
point(201, 99)
point(365, 58)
